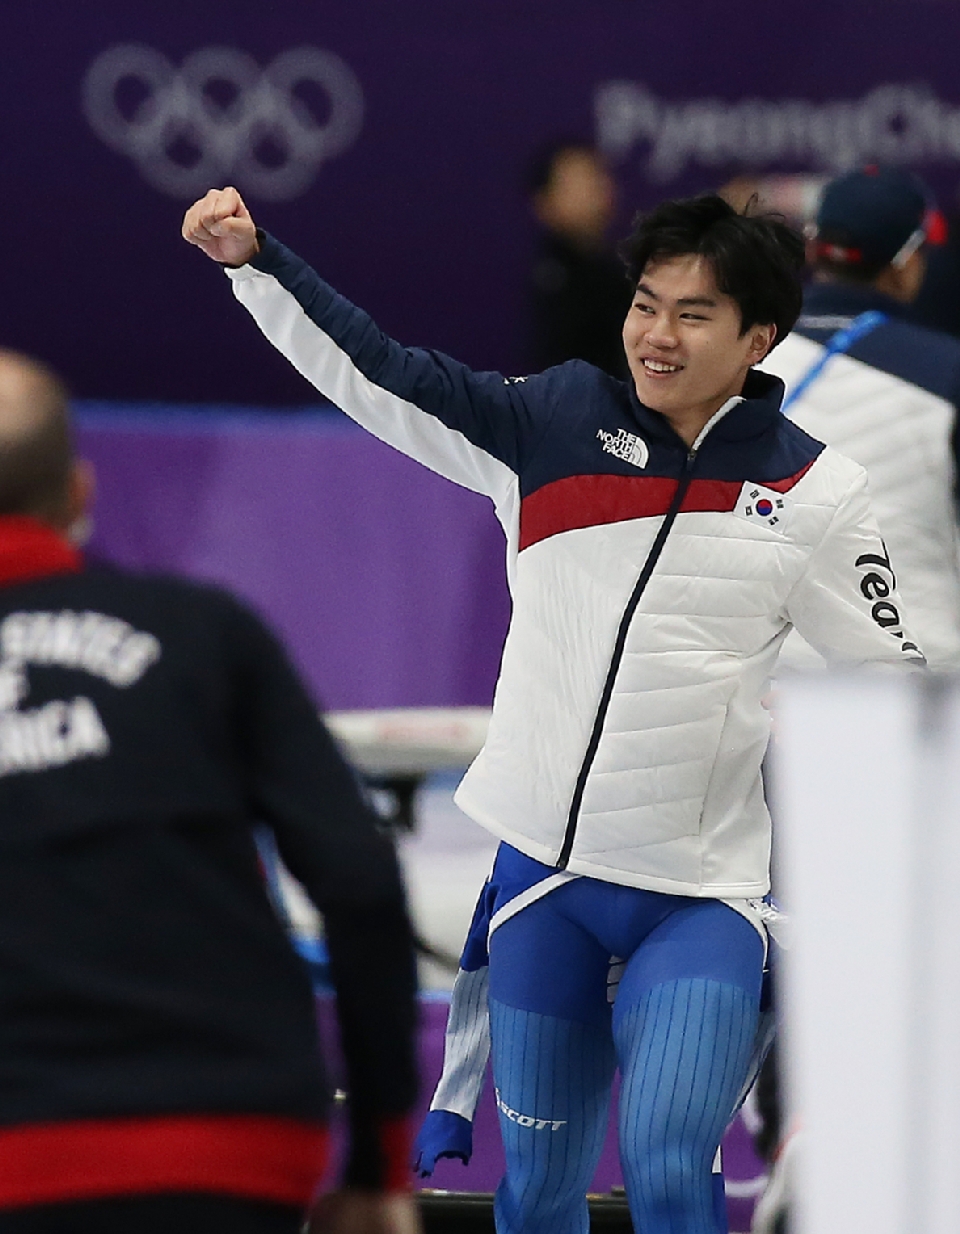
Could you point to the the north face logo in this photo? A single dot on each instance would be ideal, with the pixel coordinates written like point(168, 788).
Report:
point(627, 446)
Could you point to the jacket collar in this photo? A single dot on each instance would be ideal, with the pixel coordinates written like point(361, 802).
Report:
point(752, 415)
point(30, 549)
point(847, 300)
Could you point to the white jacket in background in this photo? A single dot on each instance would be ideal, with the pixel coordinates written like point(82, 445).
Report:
point(888, 405)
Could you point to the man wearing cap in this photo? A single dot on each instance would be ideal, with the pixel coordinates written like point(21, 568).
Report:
point(883, 390)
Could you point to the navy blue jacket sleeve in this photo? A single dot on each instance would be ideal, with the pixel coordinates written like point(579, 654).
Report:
point(300, 785)
point(478, 429)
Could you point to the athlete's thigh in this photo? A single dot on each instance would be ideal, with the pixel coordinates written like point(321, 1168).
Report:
point(703, 939)
point(687, 1006)
point(553, 1062)
point(544, 960)
point(684, 1022)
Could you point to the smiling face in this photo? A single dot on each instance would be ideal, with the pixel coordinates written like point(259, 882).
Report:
point(684, 346)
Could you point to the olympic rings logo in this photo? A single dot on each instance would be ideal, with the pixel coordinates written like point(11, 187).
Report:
point(220, 118)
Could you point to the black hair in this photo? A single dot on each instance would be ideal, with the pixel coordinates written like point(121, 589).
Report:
point(544, 162)
point(757, 259)
point(36, 458)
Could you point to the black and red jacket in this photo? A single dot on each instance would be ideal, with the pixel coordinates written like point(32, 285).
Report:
point(157, 1031)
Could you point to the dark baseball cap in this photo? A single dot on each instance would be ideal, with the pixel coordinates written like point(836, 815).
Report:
point(874, 217)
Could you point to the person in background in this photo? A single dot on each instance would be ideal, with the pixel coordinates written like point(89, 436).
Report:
point(159, 1063)
point(863, 377)
point(579, 292)
point(937, 305)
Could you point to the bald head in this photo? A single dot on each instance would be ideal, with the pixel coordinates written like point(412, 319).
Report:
point(36, 453)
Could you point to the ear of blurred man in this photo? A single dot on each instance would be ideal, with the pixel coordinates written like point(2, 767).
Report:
point(903, 282)
point(81, 491)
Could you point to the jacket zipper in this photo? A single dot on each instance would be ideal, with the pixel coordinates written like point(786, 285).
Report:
point(648, 567)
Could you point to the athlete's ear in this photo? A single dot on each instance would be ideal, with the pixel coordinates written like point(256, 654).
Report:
point(761, 340)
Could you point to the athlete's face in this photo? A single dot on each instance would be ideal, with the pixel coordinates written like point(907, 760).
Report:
point(684, 345)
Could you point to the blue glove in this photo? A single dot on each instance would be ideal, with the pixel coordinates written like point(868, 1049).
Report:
point(443, 1134)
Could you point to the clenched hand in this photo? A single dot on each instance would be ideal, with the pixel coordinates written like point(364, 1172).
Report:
point(220, 224)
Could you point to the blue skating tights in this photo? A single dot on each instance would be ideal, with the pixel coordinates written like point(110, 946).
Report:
point(682, 1031)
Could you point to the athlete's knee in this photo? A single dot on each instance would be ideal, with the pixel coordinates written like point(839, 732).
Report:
point(539, 1202)
point(549, 1167)
point(669, 1176)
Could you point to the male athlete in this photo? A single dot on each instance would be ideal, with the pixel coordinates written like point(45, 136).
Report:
point(663, 536)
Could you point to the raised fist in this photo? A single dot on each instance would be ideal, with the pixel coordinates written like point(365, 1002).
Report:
point(220, 224)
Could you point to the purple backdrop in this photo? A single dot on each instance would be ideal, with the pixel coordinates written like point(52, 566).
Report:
point(410, 199)
point(386, 581)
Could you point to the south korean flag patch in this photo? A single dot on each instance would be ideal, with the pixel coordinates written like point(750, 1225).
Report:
point(764, 506)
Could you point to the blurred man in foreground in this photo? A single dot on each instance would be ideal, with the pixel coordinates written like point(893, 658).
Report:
point(864, 378)
point(159, 1063)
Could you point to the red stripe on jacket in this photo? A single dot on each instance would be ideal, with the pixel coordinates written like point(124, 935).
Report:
point(590, 501)
point(248, 1155)
point(396, 1145)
